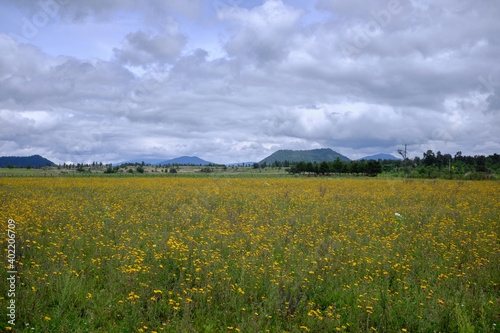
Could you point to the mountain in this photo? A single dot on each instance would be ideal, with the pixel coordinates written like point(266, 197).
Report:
point(152, 161)
point(378, 157)
point(183, 160)
point(241, 164)
point(34, 161)
point(314, 155)
point(186, 160)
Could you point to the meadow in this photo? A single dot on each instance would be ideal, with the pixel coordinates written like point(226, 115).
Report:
point(252, 255)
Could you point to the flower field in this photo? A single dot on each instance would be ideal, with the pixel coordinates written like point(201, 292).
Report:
point(252, 255)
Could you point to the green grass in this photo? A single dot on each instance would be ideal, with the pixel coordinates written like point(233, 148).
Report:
point(21, 172)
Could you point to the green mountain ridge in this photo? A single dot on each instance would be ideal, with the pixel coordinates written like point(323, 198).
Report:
point(314, 155)
point(17, 161)
point(378, 157)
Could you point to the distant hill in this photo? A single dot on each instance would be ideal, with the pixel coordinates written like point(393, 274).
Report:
point(152, 161)
point(378, 157)
point(183, 160)
point(241, 164)
point(186, 160)
point(34, 161)
point(314, 155)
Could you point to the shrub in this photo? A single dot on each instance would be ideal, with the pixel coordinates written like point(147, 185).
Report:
point(206, 170)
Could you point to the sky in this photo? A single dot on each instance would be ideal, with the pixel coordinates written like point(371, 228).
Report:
point(236, 80)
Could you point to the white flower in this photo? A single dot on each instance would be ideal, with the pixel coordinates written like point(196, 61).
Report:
point(397, 214)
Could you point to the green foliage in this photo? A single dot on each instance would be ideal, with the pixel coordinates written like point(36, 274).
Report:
point(438, 165)
point(111, 169)
point(324, 167)
point(463, 321)
point(140, 168)
point(373, 168)
point(206, 170)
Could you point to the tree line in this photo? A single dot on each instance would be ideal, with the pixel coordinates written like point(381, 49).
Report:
point(430, 165)
point(437, 163)
point(368, 168)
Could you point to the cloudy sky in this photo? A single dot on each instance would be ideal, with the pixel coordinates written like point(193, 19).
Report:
point(235, 80)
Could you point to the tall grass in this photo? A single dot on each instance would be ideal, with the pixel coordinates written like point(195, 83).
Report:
point(254, 255)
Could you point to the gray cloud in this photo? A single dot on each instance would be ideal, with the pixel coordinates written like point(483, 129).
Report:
point(142, 49)
point(426, 75)
point(80, 10)
point(263, 33)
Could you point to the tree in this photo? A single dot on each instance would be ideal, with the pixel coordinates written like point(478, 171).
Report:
point(429, 158)
point(324, 168)
point(173, 170)
point(373, 168)
point(337, 165)
point(140, 169)
point(480, 163)
point(309, 167)
point(301, 167)
point(440, 160)
point(362, 166)
point(256, 165)
point(354, 167)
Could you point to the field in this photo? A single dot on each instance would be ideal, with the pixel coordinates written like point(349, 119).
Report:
point(252, 255)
